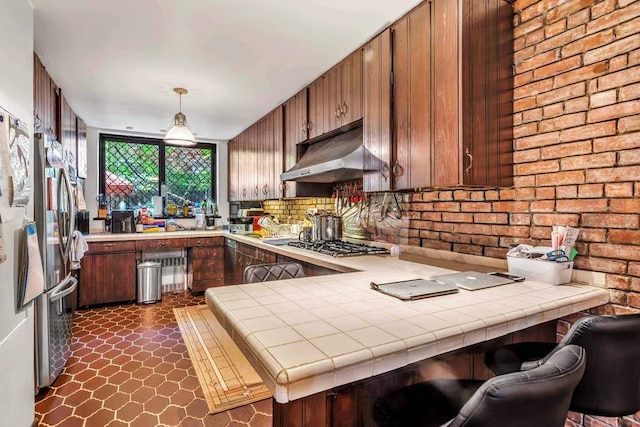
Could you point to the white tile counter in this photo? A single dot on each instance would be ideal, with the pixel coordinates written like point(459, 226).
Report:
point(311, 334)
point(111, 237)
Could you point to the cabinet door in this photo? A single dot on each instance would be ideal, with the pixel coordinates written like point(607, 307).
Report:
point(295, 131)
point(377, 110)
point(206, 268)
point(318, 107)
point(82, 148)
point(351, 91)
point(412, 63)
point(68, 131)
point(45, 100)
point(277, 153)
point(234, 169)
point(107, 277)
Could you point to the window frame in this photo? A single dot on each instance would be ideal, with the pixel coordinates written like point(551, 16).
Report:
point(162, 146)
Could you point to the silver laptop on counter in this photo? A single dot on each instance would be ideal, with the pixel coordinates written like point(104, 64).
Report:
point(472, 280)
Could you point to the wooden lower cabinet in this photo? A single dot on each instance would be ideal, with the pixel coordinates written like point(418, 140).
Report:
point(108, 274)
point(310, 270)
point(205, 268)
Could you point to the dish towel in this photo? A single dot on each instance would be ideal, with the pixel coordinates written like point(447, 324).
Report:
point(78, 247)
point(31, 274)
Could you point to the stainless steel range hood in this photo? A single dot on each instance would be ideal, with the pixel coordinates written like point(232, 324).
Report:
point(335, 159)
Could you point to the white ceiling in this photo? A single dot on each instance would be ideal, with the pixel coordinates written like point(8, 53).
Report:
point(117, 61)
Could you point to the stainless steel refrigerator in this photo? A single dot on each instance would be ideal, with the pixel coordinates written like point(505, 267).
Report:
point(54, 205)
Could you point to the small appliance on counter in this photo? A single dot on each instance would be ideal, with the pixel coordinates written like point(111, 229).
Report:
point(242, 216)
point(122, 221)
point(82, 221)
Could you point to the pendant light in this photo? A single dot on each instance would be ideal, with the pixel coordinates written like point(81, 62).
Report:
point(179, 133)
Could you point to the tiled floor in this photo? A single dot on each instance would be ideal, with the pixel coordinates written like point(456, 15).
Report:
point(130, 367)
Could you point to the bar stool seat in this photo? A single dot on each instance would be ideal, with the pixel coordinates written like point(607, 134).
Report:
point(274, 271)
point(535, 398)
point(611, 383)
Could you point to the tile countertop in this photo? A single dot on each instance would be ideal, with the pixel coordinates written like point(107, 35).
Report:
point(110, 237)
point(309, 335)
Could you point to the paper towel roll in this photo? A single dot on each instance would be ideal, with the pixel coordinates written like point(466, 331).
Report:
point(157, 206)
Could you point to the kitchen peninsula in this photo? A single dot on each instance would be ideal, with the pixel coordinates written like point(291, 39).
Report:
point(332, 336)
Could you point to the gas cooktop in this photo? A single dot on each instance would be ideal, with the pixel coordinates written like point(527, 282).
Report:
point(339, 248)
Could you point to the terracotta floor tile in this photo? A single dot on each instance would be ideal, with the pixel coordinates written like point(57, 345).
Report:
point(130, 367)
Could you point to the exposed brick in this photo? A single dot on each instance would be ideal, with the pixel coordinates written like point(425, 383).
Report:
point(477, 196)
point(612, 49)
point(537, 167)
point(522, 79)
point(524, 104)
point(561, 94)
point(519, 219)
point(457, 217)
point(445, 195)
point(558, 67)
point(618, 63)
point(551, 219)
point(617, 174)
point(624, 205)
point(611, 221)
point(619, 78)
point(567, 192)
point(590, 191)
point(507, 194)
point(627, 28)
point(619, 189)
point(431, 216)
point(545, 193)
point(432, 235)
point(492, 195)
point(565, 9)
point(431, 195)
point(541, 233)
point(578, 18)
point(543, 206)
point(629, 124)
point(584, 73)
point(600, 264)
point(531, 39)
point(524, 181)
point(613, 18)
point(598, 235)
point(435, 244)
point(490, 218)
point(564, 150)
point(634, 299)
point(577, 104)
point(455, 238)
point(525, 130)
point(620, 109)
point(587, 43)
point(527, 27)
point(610, 250)
point(581, 205)
point(447, 206)
point(475, 228)
point(492, 252)
point(630, 157)
point(475, 207)
point(532, 88)
point(562, 122)
point(589, 161)
point(603, 98)
point(461, 195)
point(634, 270)
point(595, 130)
point(561, 178)
point(554, 110)
point(620, 298)
point(422, 206)
point(617, 142)
point(555, 28)
point(537, 61)
point(526, 156)
point(511, 206)
point(467, 249)
point(538, 140)
point(603, 8)
point(630, 92)
point(509, 230)
point(631, 237)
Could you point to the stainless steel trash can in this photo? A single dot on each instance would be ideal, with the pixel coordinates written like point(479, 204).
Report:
point(149, 282)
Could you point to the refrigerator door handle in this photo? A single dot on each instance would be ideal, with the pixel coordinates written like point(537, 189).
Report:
point(65, 230)
point(64, 288)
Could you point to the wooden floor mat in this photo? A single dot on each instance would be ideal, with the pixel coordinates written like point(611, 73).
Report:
point(226, 377)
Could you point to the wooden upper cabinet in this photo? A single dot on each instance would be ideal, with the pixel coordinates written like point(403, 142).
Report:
point(81, 128)
point(233, 169)
point(412, 91)
point(377, 111)
point(295, 131)
point(318, 107)
point(45, 100)
point(67, 129)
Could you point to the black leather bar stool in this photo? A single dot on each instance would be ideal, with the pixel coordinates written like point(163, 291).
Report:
point(610, 386)
point(539, 397)
point(275, 271)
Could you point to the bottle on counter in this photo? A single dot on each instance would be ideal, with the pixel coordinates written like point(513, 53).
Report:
point(185, 208)
point(122, 205)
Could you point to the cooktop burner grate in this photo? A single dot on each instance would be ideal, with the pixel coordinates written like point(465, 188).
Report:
point(339, 248)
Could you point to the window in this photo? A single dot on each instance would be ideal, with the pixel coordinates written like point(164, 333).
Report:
point(133, 169)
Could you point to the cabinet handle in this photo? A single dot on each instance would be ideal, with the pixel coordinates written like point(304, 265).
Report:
point(385, 172)
point(468, 154)
point(309, 125)
point(244, 192)
point(304, 128)
point(338, 111)
point(255, 191)
point(344, 108)
point(163, 244)
point(265, 189)
point(108, 245)
point(397, 169)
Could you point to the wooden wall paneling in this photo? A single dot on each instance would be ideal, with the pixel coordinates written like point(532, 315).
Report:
point(377, 109)
point(316, 103)
point(232, 165)
point(446, 115)
point(352, 87)
point(504, 92)
point(278, 148)
point(82, 148)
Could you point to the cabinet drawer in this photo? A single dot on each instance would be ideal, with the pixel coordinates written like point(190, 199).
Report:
point(147, 244)
point(205, 241)
point(207, 252)
point(100, 247)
